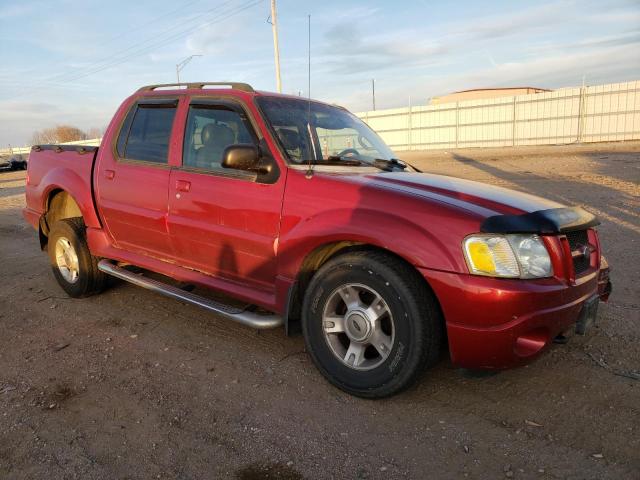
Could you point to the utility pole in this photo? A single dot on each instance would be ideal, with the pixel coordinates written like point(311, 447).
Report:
point(276, 48)
point(373, 92)
point(182, 64)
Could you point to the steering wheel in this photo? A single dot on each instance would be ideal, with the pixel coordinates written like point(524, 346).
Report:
point(348, 151)
point(364, 142)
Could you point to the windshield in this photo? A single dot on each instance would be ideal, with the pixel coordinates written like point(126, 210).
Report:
point(312, 131)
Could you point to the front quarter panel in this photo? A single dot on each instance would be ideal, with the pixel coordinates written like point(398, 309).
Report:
point(331, 208)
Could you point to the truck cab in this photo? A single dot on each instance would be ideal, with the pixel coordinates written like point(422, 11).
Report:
point(299, 210)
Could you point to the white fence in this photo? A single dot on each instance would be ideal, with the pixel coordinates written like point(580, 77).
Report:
point(601, 113)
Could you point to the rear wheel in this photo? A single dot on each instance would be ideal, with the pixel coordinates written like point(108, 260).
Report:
point(75, 269)
point(371, 324)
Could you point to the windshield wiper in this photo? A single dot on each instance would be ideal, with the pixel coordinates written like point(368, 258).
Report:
point(389, 164)
point(344, 160)
point(336, 160)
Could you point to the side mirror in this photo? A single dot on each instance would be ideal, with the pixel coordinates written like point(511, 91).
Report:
point(241, 157)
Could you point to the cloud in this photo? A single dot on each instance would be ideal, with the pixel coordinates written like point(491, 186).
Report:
point(328, 16)
point(347, 42)
point(349, 50)
point(554, 71)
point(499, 26)
point(21, 119)
point(410, 49)
point(566, 69)
point(474, 49)
point(619, 39)
point(212, 39)
point(30, 108)
point(16, 10)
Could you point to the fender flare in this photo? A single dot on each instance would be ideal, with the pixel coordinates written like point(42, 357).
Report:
point(396, 235)
point(76, 187)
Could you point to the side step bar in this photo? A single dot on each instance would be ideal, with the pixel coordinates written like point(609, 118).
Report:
point(243, 316)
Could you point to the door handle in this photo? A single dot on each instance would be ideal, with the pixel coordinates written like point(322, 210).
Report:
point(183, 185)
point(109, 174)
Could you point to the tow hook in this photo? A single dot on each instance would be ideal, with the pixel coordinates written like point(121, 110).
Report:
point(561, 339)
point(604, 284)
point(604, 290)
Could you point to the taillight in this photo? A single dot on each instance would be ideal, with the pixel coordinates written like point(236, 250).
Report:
point(597, 254)
point(604, 284)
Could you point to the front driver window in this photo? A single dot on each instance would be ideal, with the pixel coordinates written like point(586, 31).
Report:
point(210, 130)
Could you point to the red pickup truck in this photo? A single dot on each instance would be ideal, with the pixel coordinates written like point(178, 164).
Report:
point(299, 210)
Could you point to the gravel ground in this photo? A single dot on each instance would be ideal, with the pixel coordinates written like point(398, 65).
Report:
point(128, 384)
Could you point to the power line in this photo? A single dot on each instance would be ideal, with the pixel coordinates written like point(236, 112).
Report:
point(41, 67)
point(138, 45)
point(136, 50)
point(155, 20)
point(166, 41)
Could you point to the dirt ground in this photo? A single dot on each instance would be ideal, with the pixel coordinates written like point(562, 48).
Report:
point(129, 384)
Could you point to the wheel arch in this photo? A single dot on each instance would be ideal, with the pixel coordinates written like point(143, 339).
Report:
point(59, 204)
point(320, 255)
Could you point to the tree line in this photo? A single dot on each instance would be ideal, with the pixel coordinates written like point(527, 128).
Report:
point(64, 133)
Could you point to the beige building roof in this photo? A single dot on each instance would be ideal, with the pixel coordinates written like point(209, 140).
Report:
point(478, 93)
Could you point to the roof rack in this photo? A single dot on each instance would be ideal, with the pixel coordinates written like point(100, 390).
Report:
point(245, 87)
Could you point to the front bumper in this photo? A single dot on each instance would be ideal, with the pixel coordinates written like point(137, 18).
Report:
point(501, 323)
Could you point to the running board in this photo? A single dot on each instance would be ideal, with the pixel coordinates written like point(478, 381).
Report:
point(243, 316)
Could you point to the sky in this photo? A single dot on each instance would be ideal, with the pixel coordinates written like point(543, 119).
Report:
point(74, 62)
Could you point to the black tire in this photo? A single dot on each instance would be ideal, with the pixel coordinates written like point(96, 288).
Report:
point(418, 323)
point(89, 279)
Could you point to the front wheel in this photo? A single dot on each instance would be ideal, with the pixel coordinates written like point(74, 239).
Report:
point(371, 324)
point(75, 269)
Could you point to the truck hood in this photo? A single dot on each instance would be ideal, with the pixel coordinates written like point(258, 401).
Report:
point(482, 199)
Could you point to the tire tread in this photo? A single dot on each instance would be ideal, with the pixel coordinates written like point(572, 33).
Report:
point(97, 280)
point(419, 292)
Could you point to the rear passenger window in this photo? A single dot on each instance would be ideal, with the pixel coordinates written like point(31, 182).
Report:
point(146, 135)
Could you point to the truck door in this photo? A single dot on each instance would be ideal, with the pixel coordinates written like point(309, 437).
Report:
point(132, 179)
point(221, 221)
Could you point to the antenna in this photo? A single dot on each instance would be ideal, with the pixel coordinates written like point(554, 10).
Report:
point(309, 62)
point(373, 93)
point(309, 173)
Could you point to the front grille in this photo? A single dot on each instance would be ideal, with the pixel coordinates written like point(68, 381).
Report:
point(577, 241)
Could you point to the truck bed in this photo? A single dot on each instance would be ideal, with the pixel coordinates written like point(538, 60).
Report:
point(58, 167)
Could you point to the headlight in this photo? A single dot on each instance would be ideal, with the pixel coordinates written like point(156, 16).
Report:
point(509, 256)
point(532, 255)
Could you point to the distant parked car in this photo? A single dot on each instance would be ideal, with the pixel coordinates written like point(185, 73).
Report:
point(18, 162)
point(15, 162)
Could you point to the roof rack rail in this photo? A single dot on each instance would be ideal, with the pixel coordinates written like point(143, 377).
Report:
point(245, 87)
